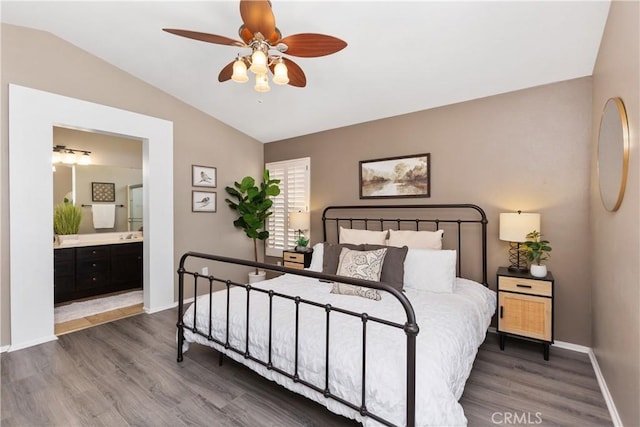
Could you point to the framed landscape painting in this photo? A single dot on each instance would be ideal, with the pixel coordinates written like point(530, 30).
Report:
point(396, 177)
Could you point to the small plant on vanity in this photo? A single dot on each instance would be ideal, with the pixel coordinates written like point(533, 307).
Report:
point(536, 250)
point(66, 218)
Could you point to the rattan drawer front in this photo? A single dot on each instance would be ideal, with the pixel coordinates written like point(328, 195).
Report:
point(293, 256)
point(525, 286)
point(297, 265)
point(525, 315)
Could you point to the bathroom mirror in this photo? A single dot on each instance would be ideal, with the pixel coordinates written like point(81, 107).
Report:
point(613, 154)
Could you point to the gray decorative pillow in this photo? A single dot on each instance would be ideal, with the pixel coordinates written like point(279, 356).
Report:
point(345, 289)
point(366, 265)
point(331, 256)
point(393, 266)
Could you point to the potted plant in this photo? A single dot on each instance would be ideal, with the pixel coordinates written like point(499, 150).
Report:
point(536, 250)
point(66, 221)
point(253, 205)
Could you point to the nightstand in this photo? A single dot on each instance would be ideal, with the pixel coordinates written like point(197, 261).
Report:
point(525, 307)
point(299, 260)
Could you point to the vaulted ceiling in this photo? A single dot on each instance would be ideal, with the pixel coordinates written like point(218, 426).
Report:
point(401, 56)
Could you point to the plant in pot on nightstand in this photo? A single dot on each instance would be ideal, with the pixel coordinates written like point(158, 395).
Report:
point(536, 250)
point(66, 221)
point(253, 206)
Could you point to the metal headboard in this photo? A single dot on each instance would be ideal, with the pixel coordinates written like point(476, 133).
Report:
point(398, 217)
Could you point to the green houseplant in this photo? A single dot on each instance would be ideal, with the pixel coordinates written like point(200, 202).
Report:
point(66, 218)
point(253, 206)
point(536, 250)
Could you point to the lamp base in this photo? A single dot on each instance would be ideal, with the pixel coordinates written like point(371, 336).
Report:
point(515, 259)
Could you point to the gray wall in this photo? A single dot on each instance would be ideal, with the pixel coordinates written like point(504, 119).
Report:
point(525, 150)
point(616, 236)
point(42, 61)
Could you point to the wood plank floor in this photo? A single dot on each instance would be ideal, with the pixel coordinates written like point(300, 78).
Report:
point(124, 373)
point(97, 319)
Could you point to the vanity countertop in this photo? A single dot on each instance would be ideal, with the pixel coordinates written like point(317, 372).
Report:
point(101, 239)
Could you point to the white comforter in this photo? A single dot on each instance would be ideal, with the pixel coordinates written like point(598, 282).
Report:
point(452, 326)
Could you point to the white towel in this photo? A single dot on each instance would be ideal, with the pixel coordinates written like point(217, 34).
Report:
point(104, 216)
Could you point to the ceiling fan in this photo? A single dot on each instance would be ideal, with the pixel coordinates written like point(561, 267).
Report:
point(259, 33)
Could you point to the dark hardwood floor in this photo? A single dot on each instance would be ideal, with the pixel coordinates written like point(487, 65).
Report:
point(124, 373)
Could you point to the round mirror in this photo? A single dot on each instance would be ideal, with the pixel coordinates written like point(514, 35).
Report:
point(613, 154)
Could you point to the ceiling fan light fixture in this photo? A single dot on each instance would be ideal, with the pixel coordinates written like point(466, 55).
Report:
point(258, 62)
point(240, 71)
point(262, 83)
point(280, 73)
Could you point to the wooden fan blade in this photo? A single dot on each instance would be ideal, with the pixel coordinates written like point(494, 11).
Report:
point(205, 37)
point(258, 17)
point(226, 72)
point(295, 73)
point(309, 45)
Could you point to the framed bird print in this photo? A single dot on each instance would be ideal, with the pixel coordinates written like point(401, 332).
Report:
point(203, 176)
point(203, 201)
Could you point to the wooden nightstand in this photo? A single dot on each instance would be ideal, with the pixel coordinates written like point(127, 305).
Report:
point(525, 307)
point(299, 260)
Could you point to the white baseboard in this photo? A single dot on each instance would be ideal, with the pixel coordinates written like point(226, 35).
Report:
point(613, 411)
point(32, 343)
point(4, 349)
point(168, 307)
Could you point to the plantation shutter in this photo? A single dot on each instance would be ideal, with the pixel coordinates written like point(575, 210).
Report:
point(294, 176)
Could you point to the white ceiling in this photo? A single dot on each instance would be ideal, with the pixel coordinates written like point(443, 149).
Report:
point(401, 56)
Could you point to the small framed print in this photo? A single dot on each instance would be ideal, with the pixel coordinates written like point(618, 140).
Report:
point(103, 192)
point(203, 201)
point(203, 176)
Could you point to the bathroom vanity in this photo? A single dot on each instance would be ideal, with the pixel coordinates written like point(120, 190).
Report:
point(95, 267)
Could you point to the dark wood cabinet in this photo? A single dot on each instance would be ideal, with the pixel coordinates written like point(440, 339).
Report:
point(126, 270)
point(94, 270)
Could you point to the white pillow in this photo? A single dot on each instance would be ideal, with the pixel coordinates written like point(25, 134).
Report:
point(429, 270)
point(317, 258)
point(416, 239)
point(358, 237)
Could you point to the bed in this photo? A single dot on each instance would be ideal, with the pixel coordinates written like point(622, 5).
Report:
point(401, 358)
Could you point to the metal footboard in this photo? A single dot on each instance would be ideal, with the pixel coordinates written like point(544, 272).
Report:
point(410, 327)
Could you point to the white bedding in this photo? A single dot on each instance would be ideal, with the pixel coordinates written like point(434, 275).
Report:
point(452, 326)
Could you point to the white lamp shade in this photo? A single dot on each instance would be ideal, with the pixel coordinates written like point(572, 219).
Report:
point(258, 62)
point(56, 157)
point(280, 74)
point(239, 71)
point(69, 157)
point(84, 159)
point(299, 220)
point(515, 226)
point(262, 83)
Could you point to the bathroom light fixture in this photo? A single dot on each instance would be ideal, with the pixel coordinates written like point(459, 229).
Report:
point(69, 156)
point(514, 228)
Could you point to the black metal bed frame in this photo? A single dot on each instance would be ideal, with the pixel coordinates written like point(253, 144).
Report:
point(410, 327)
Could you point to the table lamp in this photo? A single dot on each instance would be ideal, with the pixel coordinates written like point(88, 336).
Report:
point(514, 228)
point(299, 221)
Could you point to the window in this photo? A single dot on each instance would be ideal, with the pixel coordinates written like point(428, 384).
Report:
point(294, 176)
